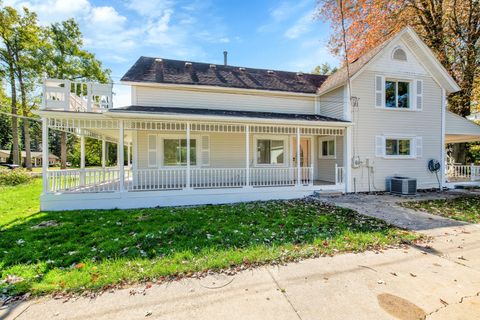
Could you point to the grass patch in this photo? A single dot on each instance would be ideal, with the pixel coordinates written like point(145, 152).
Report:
point(47, 252)
point(463, 208)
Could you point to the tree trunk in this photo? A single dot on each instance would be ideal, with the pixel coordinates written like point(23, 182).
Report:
point(15, 151)
point(63, 150)
point(459, 152)
point(26, 124)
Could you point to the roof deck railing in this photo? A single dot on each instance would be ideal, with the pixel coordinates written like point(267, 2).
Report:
point(76, 96)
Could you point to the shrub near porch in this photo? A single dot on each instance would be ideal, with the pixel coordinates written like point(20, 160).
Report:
point(47, 252)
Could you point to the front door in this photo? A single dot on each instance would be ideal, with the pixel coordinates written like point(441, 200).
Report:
point(305, 152)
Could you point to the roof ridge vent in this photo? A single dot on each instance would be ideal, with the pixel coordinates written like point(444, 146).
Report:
point(213, 66)
point(188, 64)
point(270, 72)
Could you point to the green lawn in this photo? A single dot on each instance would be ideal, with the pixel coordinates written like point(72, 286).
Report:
point(464, 208)
point(95, 249)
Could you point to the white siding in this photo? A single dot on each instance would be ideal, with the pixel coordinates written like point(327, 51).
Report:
point(332, 103)
point(162, 97)
point(325, 168)
point(227, 150)
point(385, 62)
point(372, 122)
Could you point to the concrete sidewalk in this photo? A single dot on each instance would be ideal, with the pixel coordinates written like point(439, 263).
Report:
point(440, 281)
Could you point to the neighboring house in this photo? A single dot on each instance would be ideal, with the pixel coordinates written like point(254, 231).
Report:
point(36, 156)
point(203, 133)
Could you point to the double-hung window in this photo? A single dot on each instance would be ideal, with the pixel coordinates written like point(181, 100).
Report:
point(397, 94)
point(270, 151)
point(327, 148)
point(175, 152)
point(398, 147)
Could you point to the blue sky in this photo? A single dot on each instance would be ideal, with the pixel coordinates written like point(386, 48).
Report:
point(264, 33)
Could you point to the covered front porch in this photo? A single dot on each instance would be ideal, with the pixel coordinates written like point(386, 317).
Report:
point(172, 160)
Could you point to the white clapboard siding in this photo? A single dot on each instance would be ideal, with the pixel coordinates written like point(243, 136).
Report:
point(373, 122)
point(326, 167)
point(332, 103)
point(161, 97)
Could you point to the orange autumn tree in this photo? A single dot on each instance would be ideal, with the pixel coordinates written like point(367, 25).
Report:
point(451, 28)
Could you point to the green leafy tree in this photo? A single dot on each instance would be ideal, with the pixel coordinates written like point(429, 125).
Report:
point(8, 24)
point(324, 69)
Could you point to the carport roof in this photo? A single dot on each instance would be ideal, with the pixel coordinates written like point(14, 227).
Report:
point(459, 129)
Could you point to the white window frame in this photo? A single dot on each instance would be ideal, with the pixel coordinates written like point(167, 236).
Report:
point(393, 53)
point(271, 137)
point(164, 137)
point(320, 147)
point(411, 94)
point(414, 147)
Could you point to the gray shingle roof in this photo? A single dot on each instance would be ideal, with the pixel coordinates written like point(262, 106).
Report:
point(224, 113)
point(156, 70)
point(340, 76)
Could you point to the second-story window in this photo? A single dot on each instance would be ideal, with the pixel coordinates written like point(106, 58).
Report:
point(397, 94)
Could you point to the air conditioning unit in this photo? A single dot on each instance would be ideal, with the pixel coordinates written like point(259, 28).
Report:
point(403, 185)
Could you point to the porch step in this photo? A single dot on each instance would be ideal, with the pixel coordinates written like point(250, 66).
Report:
point(319, 193)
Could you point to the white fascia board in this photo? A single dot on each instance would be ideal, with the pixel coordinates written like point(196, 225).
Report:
point(217, 88)
point(138, 115)
point(70, 114)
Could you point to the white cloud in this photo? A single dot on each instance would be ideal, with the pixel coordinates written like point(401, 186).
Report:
point(54, 10)
point(301, 26)
point(107, 16)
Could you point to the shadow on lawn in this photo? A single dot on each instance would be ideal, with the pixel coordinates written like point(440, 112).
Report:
point(63, 239)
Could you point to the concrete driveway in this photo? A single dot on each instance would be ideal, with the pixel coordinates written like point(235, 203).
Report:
point(440, 280)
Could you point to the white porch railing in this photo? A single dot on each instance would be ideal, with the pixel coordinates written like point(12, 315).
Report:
point(158, 179)
point(83, 180)
point(339, 175)
point(218, 177)
point(456, 172)
point(108, 180)
point(77, 96)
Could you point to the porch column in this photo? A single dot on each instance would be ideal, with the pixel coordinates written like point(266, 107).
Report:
point(247, 155)
point(443, 158)
point(299, 169)
point(45, 155)
point(120, 159)
point(103, 153)
point(82, 160)
point(187, 178)
point(347, 159)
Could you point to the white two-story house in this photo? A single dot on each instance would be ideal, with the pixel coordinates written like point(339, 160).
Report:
point(199, 133)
